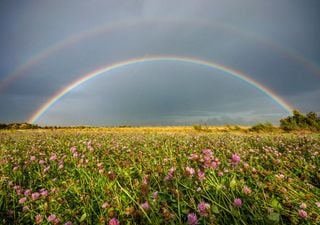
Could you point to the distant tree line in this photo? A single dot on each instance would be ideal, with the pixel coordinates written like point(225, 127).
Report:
point(13, 126)
point(298, 121)
point(25, 126)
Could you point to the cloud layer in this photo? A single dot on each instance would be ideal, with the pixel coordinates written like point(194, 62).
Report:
point(274, 42)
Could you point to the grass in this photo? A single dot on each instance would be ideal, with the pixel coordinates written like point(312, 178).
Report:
point(158, 176)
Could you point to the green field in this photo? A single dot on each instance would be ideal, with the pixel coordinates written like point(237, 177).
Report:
point(150, 176)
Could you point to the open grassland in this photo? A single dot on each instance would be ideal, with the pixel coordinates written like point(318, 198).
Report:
point(158, 176)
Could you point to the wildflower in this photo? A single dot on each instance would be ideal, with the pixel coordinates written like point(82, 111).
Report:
point(170, 174)
point(235, 159)
point(53, 157)
point(46, 169)
point(214, 164)
point(27, 192)
point(15, 168)
point(25, 208)
point(166, 178)
point(189, 171)
point(145, 206)
point(90, 148)
point(172, 170)
point(41, 161)
point(245, 165)
point(237, 202)
point(19, 191)
point(114, 221)
point(246, 190)
point(318, 204)
point(155, 195)
point(193, 157)
point(207, 157)
point(53, 219)
point(35, 196)
point(203, 209)
point(16, 187)
point(105, 205)
point(207, 152)
point(145, 180)
point(73, 149)
point(68, 223)
point(22, 200)
point(303, 205)
point(192, 219)
point(38, 219)
point(302, 214)
point(44, 193)
point(201, 175)
point(32, 158)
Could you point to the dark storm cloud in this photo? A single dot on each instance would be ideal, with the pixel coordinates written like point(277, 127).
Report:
point(243, 35)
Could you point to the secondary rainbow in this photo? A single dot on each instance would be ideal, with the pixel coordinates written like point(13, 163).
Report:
point(235, 73)
point(45, 53)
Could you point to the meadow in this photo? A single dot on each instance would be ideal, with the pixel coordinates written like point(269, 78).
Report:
point(158, 176)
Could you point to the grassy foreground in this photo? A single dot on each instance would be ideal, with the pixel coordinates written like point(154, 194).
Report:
point(103, 176)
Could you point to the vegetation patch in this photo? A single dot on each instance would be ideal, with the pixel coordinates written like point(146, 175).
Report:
point(100, 177)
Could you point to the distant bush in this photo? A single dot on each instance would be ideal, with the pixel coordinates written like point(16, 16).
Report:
point(237, 128)
point(3, 126)
point(299, 121)
point(263, 127)
point(199, 127)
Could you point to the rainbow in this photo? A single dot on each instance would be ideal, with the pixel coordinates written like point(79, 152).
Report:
point(44, 54)
point(235, 73)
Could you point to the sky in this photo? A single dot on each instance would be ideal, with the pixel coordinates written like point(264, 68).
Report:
point(266, 57)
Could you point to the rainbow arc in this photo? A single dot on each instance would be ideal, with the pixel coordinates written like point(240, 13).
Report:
point(105, 69)
point(72, 39)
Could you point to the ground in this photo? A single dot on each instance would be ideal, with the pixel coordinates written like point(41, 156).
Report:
point(159, 175)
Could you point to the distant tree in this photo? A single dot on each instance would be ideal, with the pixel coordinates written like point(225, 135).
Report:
point(299, 121)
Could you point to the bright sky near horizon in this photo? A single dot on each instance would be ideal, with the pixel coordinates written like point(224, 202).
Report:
point(158, 62)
